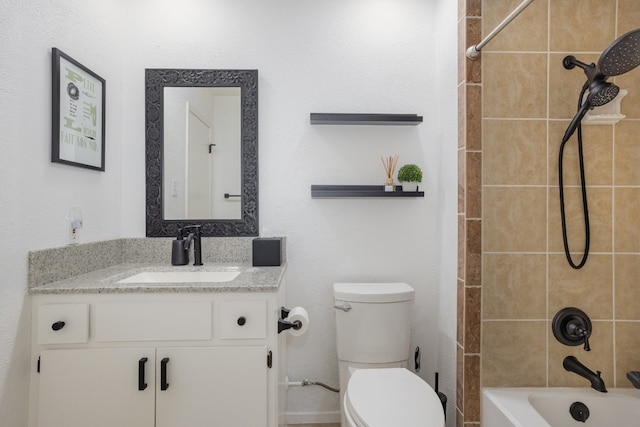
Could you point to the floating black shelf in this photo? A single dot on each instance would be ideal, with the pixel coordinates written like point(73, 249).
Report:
point(364, 119)
point(331, 191)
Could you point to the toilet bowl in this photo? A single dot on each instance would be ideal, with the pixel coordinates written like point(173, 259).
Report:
point(373, 329)
point(391, 397)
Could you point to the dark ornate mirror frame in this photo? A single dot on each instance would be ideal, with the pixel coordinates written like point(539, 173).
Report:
point(155, 82)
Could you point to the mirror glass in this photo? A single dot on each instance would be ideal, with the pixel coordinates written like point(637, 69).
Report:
point(201, 136)
point(201, 164)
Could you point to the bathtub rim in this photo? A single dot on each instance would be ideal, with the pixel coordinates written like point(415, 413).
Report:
point(517, 399)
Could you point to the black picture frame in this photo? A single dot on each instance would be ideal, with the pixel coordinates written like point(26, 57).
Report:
point(78, 114)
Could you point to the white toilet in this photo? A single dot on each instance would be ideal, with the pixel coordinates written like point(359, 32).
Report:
point(373, 328)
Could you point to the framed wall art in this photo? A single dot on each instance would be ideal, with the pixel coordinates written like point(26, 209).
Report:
point(78, 114)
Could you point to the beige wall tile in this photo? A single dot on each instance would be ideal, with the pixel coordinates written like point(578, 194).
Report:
point(473, 297)
point(599, 201)
point(597, 146)
point(600, 358)
point(460, 312)
point(627, 232)
point(528, 32)
point(589, 289)
point(630, 105)
point(628, 16)
point(514, 286)
point(627, 354)
point(473, 266)
point(474, 117)
point(473, 176)
point(627, 283)
point(515, 85)
point(514, 219)
point(474, 7)
point(587, 25)
point(514, 152)
point(471, 388)
point(462, 116)
point(627, 146)
point(461, 180)
point(473, 68)
point(461, 246)
point(459, 377)
point(514, 353)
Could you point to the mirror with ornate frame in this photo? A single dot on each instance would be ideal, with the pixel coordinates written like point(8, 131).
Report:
point(161, 220)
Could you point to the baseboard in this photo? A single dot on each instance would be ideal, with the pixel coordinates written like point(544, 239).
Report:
point(313, 417)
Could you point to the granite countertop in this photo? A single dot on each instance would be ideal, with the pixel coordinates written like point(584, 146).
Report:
point(250, 279)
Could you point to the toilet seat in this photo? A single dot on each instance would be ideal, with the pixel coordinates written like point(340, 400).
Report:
point(391, 397)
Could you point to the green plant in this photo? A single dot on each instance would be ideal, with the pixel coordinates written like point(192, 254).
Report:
point(410, 173)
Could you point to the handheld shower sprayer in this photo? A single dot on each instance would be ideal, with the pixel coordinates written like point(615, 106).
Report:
point(622, 56)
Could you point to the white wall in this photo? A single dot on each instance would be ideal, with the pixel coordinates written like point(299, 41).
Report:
point(331, 56)
point(446, 85)
point(35, 195)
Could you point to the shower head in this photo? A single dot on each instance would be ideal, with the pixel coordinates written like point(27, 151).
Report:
point(622, 56)
point(601, 93)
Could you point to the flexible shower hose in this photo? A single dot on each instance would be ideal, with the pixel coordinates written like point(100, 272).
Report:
point(583, 187)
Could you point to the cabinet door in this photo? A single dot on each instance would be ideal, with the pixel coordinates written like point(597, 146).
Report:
point(97, 388)
point(216, 386)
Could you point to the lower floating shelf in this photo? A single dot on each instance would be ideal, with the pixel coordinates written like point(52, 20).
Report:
point(331, 191)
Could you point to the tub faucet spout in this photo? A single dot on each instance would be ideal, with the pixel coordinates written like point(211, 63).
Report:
point(572, 364)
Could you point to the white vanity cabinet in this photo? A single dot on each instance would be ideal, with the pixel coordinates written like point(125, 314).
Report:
point(157, 360)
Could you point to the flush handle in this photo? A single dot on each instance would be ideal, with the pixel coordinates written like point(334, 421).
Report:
point(344, 307)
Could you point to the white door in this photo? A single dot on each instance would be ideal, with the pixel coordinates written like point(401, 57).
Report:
point(199, 168)
point(96, 388)
point(217, 386)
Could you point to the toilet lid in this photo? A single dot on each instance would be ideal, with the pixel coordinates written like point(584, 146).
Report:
point(392, 397)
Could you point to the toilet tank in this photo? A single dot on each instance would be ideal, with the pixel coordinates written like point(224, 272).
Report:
point(377, 328)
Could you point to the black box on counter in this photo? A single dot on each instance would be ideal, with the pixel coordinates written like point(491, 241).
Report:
point(268, 251)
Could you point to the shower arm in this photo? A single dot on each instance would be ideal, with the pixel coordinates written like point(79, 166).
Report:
point(473, 52)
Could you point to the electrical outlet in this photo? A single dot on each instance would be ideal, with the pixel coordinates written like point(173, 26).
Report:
point(74, 224)
point(73, 234)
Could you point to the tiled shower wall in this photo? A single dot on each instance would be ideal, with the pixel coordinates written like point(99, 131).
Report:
point(525, 99)
point(469, 216)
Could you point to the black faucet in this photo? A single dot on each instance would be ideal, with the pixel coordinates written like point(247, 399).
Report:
point(572, 364)
point(194, 234)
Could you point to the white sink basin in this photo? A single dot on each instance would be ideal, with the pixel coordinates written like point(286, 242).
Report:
point(181, 277)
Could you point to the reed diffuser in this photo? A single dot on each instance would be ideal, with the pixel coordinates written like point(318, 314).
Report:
point(389, 164)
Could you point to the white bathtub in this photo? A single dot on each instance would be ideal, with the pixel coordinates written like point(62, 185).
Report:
point(549, 407)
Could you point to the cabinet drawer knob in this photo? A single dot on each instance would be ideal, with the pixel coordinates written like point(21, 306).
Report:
point(58, 325)
point(242, 320)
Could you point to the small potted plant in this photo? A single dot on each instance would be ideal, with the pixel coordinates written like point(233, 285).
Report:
point(410, 175)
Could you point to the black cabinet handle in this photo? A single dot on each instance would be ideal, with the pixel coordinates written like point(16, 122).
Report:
point(141, 381)
point(163, 374)
point(242, 320)
point(58, 325)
